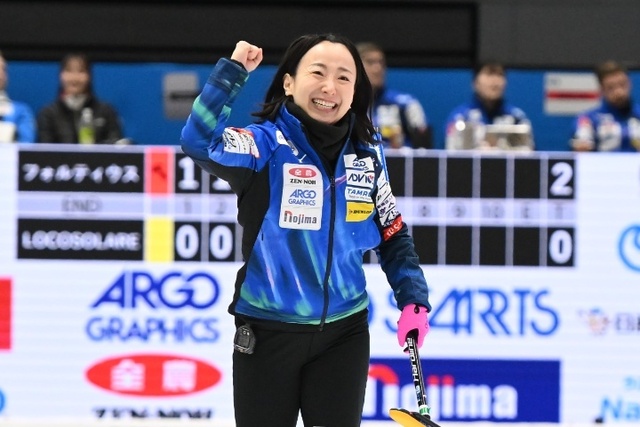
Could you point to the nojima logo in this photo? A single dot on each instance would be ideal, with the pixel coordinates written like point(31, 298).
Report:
point(153, 375)
point(468, 390)
point(5, 313)
point(629, 247)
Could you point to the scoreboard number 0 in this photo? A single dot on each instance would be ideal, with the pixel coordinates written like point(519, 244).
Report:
point(187, 241)
point(221, 242)
point(192, 244)
point(560, 246)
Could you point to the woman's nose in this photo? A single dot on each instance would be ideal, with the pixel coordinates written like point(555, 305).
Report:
point(329, 87)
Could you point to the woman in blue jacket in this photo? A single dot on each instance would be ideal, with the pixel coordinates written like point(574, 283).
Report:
point(313, 197)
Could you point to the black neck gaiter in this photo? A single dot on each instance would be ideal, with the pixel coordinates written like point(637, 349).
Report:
point(326, 139)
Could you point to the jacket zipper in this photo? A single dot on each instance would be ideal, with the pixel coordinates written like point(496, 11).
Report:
point(327, 274)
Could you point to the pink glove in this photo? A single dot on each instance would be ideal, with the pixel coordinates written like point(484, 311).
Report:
point(413, 316)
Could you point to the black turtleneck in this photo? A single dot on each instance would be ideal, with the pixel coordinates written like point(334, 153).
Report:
point(492, 108)
point(625, 110)
point(326, 139)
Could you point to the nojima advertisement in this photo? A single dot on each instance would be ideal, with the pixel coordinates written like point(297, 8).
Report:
point(117, 268)
point(469, 390)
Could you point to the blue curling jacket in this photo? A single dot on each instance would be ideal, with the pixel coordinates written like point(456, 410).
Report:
point(394, 108)
point(305, 231)
point(609, 128)
point(475, 112)
point(21, 115)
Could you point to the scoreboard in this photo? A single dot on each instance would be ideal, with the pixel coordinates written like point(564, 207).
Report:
point(155, 204)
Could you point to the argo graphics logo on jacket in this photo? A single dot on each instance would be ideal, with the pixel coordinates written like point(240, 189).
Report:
point(5, 313)
point(158, 375)
point(468, 390)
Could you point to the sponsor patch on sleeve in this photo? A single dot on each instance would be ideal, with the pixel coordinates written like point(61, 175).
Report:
point(393, 228)
point(386, 202)
point(239, 141)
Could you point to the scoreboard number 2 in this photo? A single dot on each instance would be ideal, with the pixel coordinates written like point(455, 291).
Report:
point(561, 179)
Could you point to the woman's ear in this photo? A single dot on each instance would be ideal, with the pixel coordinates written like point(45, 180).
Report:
point(287, 81)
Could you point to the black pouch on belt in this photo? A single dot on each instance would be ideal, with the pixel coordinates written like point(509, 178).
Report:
point(244, 341)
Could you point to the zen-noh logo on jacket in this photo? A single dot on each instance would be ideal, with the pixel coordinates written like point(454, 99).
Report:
point(158, 375)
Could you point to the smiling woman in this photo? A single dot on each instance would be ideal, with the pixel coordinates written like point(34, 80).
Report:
point(314, 196)
point(324, 83)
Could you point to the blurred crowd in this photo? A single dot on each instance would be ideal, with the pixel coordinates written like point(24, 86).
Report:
point(487, 121)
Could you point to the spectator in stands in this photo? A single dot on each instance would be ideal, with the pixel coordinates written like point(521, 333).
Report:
point(77, 116)
point(466, 126)
point(615, 124)
point(17, 123)
point(399, 116)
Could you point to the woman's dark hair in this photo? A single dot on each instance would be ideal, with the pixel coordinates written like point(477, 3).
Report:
point(84, 60)
point(362, 97)
point(490, 67)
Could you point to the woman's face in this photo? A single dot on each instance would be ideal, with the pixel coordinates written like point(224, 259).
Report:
point(490, 85)
point(74, 77)
point(324, 83)
point(376, 67)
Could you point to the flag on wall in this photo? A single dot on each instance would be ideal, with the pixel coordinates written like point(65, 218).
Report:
point(570, 93)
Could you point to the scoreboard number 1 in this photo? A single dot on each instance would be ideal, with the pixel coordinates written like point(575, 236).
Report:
point(188, 181)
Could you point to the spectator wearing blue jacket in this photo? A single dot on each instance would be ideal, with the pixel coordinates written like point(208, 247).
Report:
point(17, 122)
point(615, 124)
point(398, 116)
point(467, 124)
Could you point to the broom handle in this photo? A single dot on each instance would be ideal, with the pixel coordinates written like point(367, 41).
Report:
point(416, 373)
